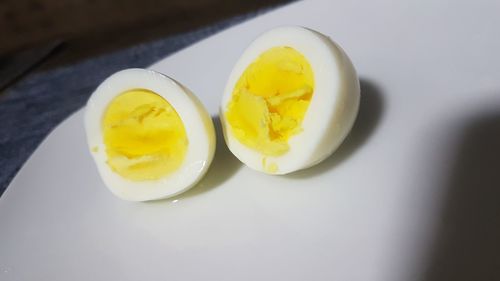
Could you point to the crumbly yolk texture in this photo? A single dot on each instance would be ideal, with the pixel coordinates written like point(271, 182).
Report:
point(144, 136)
point(270, 100)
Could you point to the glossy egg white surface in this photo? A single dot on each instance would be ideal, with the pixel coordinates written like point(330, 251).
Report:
point(197, 123)
point(331, 112)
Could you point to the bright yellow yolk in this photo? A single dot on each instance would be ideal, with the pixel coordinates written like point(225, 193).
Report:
point(144, 136)
point(270, 100)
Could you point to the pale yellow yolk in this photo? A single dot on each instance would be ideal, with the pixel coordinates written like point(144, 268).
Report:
point(270, 100)
point(144, 136)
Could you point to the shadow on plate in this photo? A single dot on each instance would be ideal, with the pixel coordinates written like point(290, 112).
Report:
point(467, 238)
point(371, 109)
point(224, 166)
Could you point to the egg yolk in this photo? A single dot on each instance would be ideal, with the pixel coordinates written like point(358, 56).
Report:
point(270, 100)
point(144, 136)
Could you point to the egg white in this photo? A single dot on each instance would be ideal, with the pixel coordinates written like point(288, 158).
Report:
point(197, 123)
point(331, 112)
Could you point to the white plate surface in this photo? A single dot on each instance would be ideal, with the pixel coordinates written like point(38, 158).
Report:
point(430, 72)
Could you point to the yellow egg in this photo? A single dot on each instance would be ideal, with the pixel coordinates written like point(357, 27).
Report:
point(290, 100)
point(150, 137)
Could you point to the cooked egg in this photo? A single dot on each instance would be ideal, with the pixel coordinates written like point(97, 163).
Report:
point(290, 101)
point(150, 137)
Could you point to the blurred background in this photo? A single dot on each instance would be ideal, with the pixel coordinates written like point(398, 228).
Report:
point(51, 33)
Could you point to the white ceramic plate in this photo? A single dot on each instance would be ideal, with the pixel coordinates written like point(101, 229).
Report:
point(430, 72)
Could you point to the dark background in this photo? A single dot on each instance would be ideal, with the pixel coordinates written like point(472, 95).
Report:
point(64, 32)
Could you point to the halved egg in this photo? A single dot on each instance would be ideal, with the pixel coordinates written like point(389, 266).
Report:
point(290, 100)
point(150, 137)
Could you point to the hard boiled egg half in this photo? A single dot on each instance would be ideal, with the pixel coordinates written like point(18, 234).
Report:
point(290, 100)
point(150, 137)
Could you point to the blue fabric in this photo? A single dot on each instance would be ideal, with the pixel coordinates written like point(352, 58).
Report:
point(31, 108)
